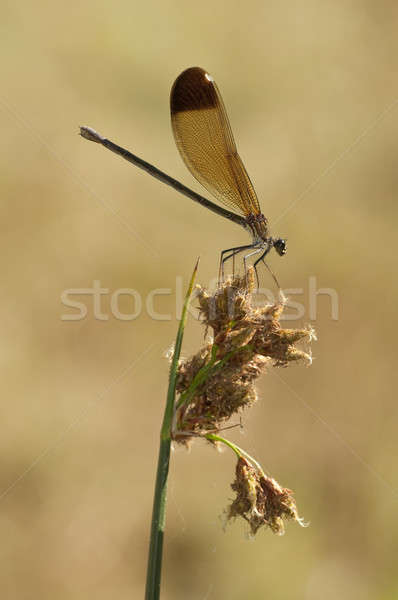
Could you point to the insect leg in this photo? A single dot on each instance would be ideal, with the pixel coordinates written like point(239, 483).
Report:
point(268, 267)
point(256, 251)
point(232, 253)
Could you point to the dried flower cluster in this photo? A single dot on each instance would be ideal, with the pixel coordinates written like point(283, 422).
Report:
point(218, 381)
point(260, 500)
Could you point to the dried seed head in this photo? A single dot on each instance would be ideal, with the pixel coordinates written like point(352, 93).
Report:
point(218, 381)
point(260, 500)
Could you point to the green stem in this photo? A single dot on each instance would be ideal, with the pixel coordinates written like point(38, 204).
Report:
point(209, 369)
point(154, 568)
point(199, 378)
point(217, 438)
point(238, 451)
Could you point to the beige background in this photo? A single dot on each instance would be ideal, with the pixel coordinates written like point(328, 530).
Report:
point(312, 94)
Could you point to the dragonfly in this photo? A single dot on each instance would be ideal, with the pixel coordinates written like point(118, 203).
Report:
point(204, 138)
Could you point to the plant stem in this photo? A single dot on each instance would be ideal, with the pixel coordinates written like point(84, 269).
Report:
point(154, 568)
point(206, 371)
point(238, 451)
point(217, 438)
point(199, 378)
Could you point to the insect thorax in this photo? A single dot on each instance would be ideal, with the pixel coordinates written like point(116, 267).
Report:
point(259, 225)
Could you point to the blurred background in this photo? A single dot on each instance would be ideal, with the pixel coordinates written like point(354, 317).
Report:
point(312, 95)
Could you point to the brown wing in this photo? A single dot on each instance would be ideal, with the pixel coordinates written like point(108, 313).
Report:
point(204, 138)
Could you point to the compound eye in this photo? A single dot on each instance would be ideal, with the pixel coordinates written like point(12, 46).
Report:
point(280, 246)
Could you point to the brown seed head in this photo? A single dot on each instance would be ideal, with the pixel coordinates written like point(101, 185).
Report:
point(218, 381)
point(260, 500)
